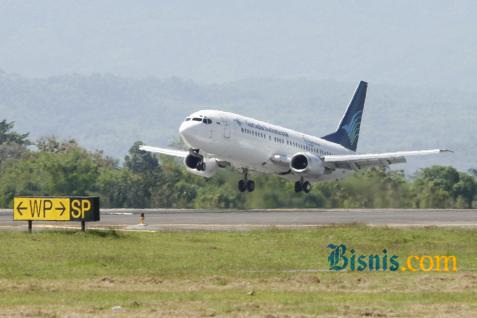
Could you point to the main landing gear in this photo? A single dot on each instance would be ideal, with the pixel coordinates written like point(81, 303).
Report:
point(245, 184)
point(304, 186)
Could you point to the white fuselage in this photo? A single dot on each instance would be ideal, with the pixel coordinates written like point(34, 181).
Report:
point(252, 144)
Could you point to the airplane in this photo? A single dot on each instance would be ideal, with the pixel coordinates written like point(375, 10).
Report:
point(218, 139)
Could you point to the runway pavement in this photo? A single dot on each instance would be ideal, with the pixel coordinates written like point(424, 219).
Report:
point(176, 219)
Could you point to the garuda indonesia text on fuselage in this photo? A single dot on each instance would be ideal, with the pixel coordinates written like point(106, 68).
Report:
point(218, 139)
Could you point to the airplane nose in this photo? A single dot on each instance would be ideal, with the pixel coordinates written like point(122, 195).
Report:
point(182, 128)
point(185, 131)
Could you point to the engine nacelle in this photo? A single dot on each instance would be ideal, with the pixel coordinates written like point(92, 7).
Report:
point(307, 164)
point(200, 166)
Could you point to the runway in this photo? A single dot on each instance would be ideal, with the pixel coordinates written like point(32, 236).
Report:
point(178, 219)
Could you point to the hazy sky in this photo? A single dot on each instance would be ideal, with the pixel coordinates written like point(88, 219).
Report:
point(417, 43)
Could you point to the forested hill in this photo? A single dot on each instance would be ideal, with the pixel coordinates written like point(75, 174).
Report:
point(109, 112)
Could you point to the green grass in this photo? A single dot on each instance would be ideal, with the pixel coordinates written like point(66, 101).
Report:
point(230, 273)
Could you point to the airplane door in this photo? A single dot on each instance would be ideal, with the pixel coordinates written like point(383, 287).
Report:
point(226, 124)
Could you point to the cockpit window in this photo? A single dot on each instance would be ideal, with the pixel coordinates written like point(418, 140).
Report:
point(197, 119)
point(207, 121)
point(187, 119)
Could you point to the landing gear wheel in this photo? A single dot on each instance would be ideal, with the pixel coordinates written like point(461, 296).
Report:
point(250, 185)
point(298, 186)
point(242, 185)
point(306, 186)
point(245, 184)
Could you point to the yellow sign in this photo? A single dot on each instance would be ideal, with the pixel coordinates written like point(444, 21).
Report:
point(56, 209)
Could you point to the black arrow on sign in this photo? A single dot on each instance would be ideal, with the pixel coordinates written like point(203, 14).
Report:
point(62, 209)
point(20, 208)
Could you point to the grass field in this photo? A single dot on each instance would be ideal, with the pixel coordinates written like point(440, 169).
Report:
point(267, 273)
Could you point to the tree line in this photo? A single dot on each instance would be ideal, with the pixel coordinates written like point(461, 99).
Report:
point(53, 167)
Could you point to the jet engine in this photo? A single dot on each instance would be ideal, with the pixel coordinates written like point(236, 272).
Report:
point(307, 164)
point(197, 164)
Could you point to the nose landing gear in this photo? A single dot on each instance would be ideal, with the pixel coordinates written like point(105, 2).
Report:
point(245, 184)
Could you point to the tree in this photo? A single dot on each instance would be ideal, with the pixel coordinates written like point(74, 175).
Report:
point(64, 169)
point(465, 188)
point(145, 175)
point(139, 161)
point(53, 145)
point(443, 187)
point(8, 136)
point(12, 144)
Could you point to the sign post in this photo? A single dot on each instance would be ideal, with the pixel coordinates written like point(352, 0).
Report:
point(71, 208)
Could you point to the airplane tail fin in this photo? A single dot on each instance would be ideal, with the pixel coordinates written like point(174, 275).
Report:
point(347, 133)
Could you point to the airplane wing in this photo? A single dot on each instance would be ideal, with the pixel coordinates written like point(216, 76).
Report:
point(373, 160)
point(165, 151)
point(178, 153)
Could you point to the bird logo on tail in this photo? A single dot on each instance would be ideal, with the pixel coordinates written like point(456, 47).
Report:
point(352, 128)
